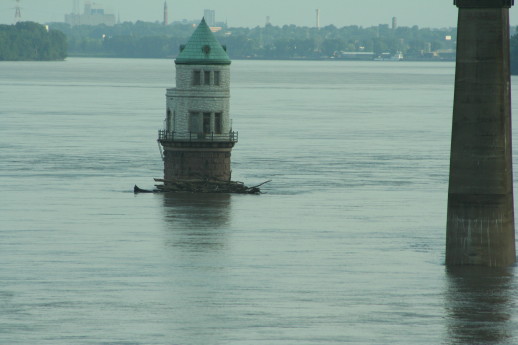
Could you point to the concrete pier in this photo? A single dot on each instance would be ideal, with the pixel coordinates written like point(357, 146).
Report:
point(480, 221)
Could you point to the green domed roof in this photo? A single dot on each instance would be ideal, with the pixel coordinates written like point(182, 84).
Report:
point(203, 49)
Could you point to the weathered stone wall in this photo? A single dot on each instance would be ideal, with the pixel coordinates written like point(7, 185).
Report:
point(186, 97)
point(197, 163)
point(181, 104)
point(184, 77)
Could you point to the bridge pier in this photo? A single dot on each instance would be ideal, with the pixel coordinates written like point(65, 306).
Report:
point(480, 221)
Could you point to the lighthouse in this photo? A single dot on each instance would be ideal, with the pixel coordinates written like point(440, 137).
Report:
point(197, 138)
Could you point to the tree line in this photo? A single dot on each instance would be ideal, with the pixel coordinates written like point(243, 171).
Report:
point(32, 41)
point(154, 40)
point(26, 41)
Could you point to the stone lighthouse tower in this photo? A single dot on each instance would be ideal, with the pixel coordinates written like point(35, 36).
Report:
point(198, 139)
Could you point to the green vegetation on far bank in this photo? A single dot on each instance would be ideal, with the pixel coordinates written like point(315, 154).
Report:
point(32, 41)
point(154, 40)
point(26, 41)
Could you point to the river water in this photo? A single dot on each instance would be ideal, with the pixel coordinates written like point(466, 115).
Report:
point(345, 246)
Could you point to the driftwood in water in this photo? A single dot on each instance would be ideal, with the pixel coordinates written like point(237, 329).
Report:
point(207, 186)
point(136, 189)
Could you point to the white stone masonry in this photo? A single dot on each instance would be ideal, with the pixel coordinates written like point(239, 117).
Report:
point(200, 89)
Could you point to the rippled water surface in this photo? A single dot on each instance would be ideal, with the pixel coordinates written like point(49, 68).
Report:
point(346, 246)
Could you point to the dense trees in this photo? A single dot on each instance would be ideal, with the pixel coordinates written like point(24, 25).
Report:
point(290, 41)
point(132, 40)
point(143, 39)
point(31, 41)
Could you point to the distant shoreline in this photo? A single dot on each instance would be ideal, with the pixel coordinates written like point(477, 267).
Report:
point(263, 59)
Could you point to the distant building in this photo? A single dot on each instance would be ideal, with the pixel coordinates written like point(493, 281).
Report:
point(366, 56)
point(93, 15)
point(394, 23)
point(210, 17)
point(166, 16)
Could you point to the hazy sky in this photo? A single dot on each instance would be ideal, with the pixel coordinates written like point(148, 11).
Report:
point(425, 13)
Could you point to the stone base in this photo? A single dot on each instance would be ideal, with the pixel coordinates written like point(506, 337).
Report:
point(186, 163)
point(480, 230)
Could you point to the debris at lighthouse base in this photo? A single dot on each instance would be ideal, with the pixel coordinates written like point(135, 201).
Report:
point(202, 186)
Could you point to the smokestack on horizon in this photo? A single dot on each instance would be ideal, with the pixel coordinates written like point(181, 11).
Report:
point(166, 18)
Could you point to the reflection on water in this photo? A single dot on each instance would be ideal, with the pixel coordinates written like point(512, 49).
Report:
point(478, 305)
point(197, 222)
point(197, 239)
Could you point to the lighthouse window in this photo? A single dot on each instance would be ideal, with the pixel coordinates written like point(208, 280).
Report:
point(216, 78)
point(206, 122)
point(194, 122)
point(196, 77)
point(206, 78)
point(217, 123)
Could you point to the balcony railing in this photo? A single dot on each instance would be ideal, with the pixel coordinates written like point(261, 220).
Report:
point(164, 135)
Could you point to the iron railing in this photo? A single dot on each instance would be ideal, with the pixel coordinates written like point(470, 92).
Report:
point(165, 135)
